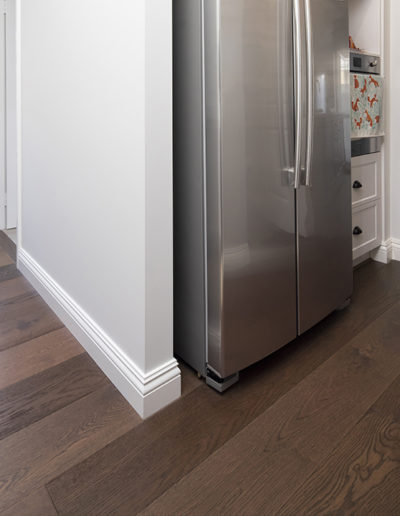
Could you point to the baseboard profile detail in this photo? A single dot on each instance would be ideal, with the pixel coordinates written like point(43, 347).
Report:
point(384, 253)
point(146, 392)
point(396, 249)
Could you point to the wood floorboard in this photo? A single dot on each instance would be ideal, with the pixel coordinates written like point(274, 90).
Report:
point(13, 288)
point(37, 504)
point(30, 358)
point(65, 427)
point(362, 475)
point(5, 259)
point(189, 379)
point(43, 450)
point(273, 377)
point(8, 272)
point(206, 425)
point(24, 318)
point(258, 469)
point(32, 399)
point(8, 246)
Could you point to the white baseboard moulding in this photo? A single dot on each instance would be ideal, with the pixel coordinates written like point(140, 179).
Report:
point(396, 249)
point(384, 253)
point(387, 251)
point(146, 392)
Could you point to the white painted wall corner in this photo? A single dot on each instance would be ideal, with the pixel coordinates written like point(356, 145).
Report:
point(146, 392)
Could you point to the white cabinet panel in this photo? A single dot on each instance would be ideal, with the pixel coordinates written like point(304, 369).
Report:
point(365, 20)
point(367, 224)
point(366, 178)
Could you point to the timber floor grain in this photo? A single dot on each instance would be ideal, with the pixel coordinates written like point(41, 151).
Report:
point(312, 429)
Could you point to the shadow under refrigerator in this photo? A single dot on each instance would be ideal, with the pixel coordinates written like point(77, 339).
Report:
point(262, 183)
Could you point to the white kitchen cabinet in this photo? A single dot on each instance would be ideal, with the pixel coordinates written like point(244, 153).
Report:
point(366, 19)
point(366, 177)
point(367, 223)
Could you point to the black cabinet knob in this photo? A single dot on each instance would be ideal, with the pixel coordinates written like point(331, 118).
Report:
point(357, 230)
point(357, 185)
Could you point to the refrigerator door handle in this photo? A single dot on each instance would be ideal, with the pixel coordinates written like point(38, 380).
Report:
point(310, 91)
point(298, 91)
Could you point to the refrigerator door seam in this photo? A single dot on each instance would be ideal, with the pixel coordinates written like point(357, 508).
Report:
point(220, 168)
point(204, 157)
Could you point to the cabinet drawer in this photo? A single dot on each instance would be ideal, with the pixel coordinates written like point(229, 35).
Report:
point(366, 178)
point(366, 228)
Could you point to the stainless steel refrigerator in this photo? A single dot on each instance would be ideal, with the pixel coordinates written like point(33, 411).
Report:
point(262, 193)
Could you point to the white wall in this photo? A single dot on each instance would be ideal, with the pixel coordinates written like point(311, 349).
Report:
point(8, 133)
point(2, 121)
point(12, 208)
point(96, 181)
point(394, 119)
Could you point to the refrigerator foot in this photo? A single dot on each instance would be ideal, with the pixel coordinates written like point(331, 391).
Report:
point(220, 384)
point(345, 305)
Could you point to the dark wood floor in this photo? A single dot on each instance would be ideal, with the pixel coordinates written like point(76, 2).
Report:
point(313, 429)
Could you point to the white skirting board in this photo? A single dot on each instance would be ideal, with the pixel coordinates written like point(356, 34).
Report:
point(396, 249)
point(146, 392)
point(389, 250)
point(384, 253)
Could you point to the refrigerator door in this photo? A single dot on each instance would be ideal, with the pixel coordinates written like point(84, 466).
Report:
point(324, 207)
point(251, 240)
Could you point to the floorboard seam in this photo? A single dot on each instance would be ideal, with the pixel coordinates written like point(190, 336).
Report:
point(8, 272)
point(51, 499)
point(8, 246)
point(36, 337)
point(31, 340)
point(26, 296)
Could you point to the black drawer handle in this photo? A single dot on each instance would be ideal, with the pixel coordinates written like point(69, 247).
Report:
point(357, 185)
point(357, 230)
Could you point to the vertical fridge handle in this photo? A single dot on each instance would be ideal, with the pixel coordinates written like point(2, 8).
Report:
point(310, 91)
point(298, 91)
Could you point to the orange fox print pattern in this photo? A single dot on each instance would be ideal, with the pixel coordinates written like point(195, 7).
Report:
point(373, 81)
point(366, 105)
point(354, 105)
point(364, 89)
point(369, 119)
point(371, 101)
